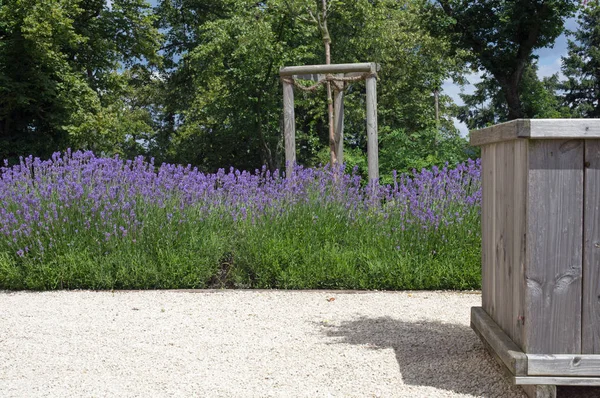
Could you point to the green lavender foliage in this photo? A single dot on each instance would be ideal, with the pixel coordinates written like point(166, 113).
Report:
point(78, 221)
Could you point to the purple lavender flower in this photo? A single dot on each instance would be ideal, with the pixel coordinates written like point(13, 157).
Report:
point(112, 198)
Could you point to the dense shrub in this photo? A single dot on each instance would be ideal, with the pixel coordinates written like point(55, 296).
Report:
point(80, 221)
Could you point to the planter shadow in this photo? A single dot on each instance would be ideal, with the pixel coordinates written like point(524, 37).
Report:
point(441, 355)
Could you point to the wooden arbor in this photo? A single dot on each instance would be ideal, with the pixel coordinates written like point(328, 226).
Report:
point(335, 73)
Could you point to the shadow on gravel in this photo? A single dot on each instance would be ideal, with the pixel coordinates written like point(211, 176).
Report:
point(445, 356)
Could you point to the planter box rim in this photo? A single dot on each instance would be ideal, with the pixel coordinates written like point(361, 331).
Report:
point(537, 129)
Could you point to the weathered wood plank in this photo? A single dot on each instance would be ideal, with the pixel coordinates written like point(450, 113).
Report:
point(488, 226)
point(500, 132)
point(563, 365)
point(372, 140)
point(554, 247)
point(311, 76)
point(502, 288)
point(503, 369)
point(557, 381)
point(339, 122)
point(289, 123)
point(510, 208)
point(503, 347)
point(519, 240)
point(590, 343)
point(564, 128)
point(324, 69)
point(537, 128)
point(539, 391)
point(354, 74)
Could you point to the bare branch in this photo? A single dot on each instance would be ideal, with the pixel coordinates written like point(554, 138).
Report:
point(312, 16)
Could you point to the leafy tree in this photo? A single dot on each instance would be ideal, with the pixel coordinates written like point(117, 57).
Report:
point(90, 74)
point(183, 23)
point(502, 35)
point(421, 149)
point(65, 72)
point(582, 65)
point(225, 88)
point(223, 82)
point(487, 105)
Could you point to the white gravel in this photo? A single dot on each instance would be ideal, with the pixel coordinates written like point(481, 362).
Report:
point(244, 344)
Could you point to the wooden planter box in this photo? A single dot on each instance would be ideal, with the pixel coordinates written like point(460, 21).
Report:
point(541, 251)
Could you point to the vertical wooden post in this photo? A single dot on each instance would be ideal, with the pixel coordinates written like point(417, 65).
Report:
point(339, 121)
point(289, 123)
point(372, 142)
point(554, 234)
point(590, 331)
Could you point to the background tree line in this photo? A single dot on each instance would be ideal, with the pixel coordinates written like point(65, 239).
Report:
point(195, 81)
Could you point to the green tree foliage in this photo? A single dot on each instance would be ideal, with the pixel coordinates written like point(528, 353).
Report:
point(223, 106)
point(501, 36)
point(582, 65)
point(224, 96)
point(69, 71)
point(98, 75)
point(487, 105)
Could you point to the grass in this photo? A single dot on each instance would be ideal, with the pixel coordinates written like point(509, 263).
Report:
point(310, 247)
point(65, 240)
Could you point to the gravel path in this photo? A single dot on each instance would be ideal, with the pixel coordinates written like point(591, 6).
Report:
point(244, 344)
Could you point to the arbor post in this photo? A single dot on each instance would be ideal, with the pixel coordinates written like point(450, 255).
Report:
point(372, 142)
point(323, 74)
point(289, 123)
point(339, 121)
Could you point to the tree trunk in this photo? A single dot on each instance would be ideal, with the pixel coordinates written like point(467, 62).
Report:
point(510, 87)
point(266, 155)
point(436, 95)
point(7, 126)
point(327, 43)
point(515, 111)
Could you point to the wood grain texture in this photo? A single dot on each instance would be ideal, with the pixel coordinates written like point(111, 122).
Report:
point(323, 69)
point(554, 247)
point(500, 132)
point(488, 228)
point(537, 128)
point(339, 122)
point(504, 178)
point(503, 368)
point(501, 345)
point(372, 140)
point(518, 234)
point(289, 123)
point(539, 391)
point(564, 128)
point(502, 285)
point(310, 76)
point(563, 365)
point(557, 381)
point(590, 343)
point(354, 74)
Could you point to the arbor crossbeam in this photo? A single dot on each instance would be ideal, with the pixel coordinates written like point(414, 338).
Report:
point(339, 73)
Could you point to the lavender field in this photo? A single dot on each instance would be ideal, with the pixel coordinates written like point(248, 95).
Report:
point(81, 221)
